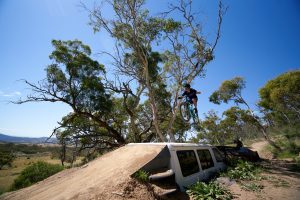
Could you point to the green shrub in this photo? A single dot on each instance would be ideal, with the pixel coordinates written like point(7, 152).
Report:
point(288, 139)
point(141, 176)
point(35, 172)
point(89, 157)
point(244, 171)
point(6, 158)
point(208, 191)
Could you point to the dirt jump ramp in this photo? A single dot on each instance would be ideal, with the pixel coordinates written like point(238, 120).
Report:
point(98, 179)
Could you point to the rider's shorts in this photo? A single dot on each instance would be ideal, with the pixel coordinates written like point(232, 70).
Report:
point(192, 97)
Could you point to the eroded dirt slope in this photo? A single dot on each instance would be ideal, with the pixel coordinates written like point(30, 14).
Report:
point(99, 179)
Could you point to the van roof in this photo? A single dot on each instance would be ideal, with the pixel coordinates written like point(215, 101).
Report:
point(173, 144)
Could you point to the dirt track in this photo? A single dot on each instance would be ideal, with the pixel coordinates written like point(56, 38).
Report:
point(260, 148)
point(99, 179)
point(278, 182)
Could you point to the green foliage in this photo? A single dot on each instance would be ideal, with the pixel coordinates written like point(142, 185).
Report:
point(34, 173)
point(6, 159)
point(288, 138)
point(254, 187)
point(89, 157)
point(76, 77)
point(244, 171)
point(230, 90)
point(236, 123)
point(209, 191)
point(137, 33)
point(141, 175)
point(212, 129)
point(280, 98)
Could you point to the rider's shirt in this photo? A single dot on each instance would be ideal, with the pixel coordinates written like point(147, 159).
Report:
point(192, 94)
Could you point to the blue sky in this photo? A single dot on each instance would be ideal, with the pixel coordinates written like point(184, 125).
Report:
point(260, 40)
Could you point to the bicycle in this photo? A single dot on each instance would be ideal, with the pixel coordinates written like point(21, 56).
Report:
point(187, 110)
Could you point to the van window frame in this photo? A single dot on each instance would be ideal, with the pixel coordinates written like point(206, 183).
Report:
point(218, 154)
point(183, 170)
point(211, 161)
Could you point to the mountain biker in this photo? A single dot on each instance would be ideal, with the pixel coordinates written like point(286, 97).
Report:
point(191, 94)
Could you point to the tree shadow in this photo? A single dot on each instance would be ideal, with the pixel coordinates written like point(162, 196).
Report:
point(281, 167)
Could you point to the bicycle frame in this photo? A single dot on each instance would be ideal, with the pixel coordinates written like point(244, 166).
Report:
point(190, 106)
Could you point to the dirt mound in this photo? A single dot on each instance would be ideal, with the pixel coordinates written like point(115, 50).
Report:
point(107, 177)
point(260, 148)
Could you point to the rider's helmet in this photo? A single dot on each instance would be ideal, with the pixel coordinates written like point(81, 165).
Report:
point(187, 85)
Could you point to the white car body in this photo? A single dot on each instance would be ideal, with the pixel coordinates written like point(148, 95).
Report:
point(189, 162)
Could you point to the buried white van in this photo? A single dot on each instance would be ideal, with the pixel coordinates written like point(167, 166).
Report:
point(183, 164)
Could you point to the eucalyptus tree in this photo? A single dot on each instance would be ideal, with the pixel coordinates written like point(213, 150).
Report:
point(231, 90)
point(190, 50)
point(76, 80)
point(212, 129)
point(280, 97)
point(136, 33)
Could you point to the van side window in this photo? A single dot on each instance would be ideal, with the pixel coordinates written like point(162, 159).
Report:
point(188, 162)
point(219, 156)
point(205, 158)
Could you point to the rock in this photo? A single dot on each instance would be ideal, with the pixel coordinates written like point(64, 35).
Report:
point(225, 181)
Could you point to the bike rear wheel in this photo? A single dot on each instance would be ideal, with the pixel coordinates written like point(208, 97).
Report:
point(184, 112)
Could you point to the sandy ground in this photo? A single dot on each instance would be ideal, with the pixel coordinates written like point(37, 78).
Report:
point(278, 181)
point(260, 148)
point(103, 178)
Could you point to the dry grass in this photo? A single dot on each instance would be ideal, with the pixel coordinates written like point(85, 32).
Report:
point(8, 175)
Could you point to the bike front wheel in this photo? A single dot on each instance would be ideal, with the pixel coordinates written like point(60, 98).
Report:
point(195, 119)
point(184, 112)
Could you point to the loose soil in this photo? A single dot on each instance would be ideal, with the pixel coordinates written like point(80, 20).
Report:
point(108, 177)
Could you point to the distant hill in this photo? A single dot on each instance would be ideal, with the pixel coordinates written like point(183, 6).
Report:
point(15, 139)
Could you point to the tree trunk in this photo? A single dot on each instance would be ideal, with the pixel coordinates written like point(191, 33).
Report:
point(155, 121)
point(134, 129)
point(173, 117)
point(63, 154)
point(268, 139)
point(152, 100)
point(261, 127)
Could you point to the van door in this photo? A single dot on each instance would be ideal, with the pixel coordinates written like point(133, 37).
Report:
point(207, 163)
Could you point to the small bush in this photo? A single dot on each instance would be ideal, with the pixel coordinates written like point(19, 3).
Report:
point(209, 191)
point(6, 158)
point(288, 140)
point(141, 176)
point(89, 157)
point(35, 172)
point(244, 171)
